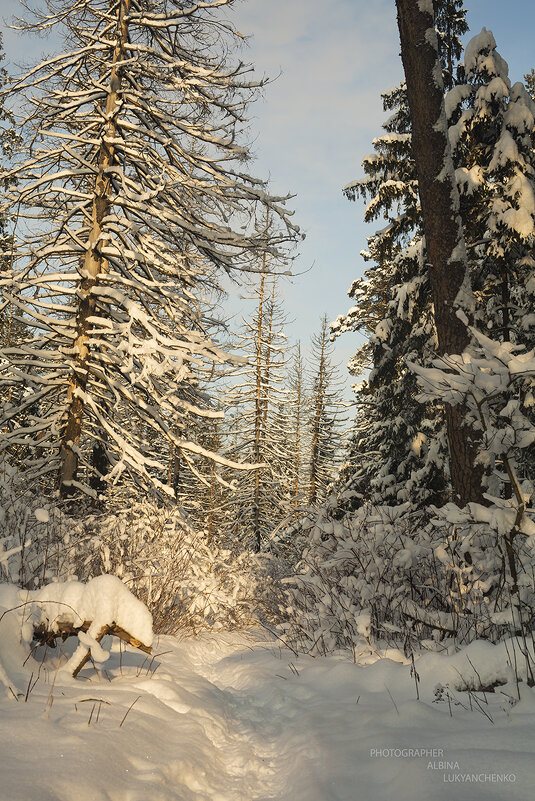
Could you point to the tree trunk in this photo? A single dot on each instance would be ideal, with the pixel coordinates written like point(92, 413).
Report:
point(94, 265)
point(267, 364)
point(506, 324)
point(257, 447)
point(445, 247)
point(297, 458)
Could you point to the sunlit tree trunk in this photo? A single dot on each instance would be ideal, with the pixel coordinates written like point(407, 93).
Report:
point(94, 262)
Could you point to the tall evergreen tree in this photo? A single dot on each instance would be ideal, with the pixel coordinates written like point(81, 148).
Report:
point(399, 445)
point(492, 131)
point(296, 412)
point(398, 450)
point(325, 418)
point(255, 398)
point(134, 197)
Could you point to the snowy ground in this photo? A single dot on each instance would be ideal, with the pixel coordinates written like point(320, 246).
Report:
point(234, 717)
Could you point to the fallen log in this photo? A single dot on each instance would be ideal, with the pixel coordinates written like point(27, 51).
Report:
point(44, 636)
point(88, 611)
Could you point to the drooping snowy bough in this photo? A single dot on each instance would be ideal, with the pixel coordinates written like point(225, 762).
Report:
point(130, 198)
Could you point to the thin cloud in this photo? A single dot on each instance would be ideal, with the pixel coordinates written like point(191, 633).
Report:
point(335, 58)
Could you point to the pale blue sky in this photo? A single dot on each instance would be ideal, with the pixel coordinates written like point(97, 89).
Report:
point(318, 119)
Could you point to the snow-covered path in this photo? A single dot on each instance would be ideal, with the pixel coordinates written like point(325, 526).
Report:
point(233, 717)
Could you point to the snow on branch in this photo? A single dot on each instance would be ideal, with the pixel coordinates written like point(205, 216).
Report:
point(129, 201)
point(482, 380)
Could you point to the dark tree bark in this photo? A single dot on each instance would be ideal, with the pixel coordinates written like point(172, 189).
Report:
point(445, 248)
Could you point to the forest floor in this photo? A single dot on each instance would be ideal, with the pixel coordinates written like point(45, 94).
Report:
point(236, 717)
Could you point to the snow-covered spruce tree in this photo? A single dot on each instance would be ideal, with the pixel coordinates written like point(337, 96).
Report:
point(398, 449)
point(529, 79)
point(296, 424)
point(401, 475)
point(326, 419)
point(492, 133)
point(131, 197)
point(254, 399)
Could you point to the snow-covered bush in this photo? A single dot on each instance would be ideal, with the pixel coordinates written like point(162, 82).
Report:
point(35, 535)
point(392, 574)
point(353, 578)
point(187, 580)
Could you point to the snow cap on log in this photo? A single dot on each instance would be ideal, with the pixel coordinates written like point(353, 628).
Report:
point(104, 600)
